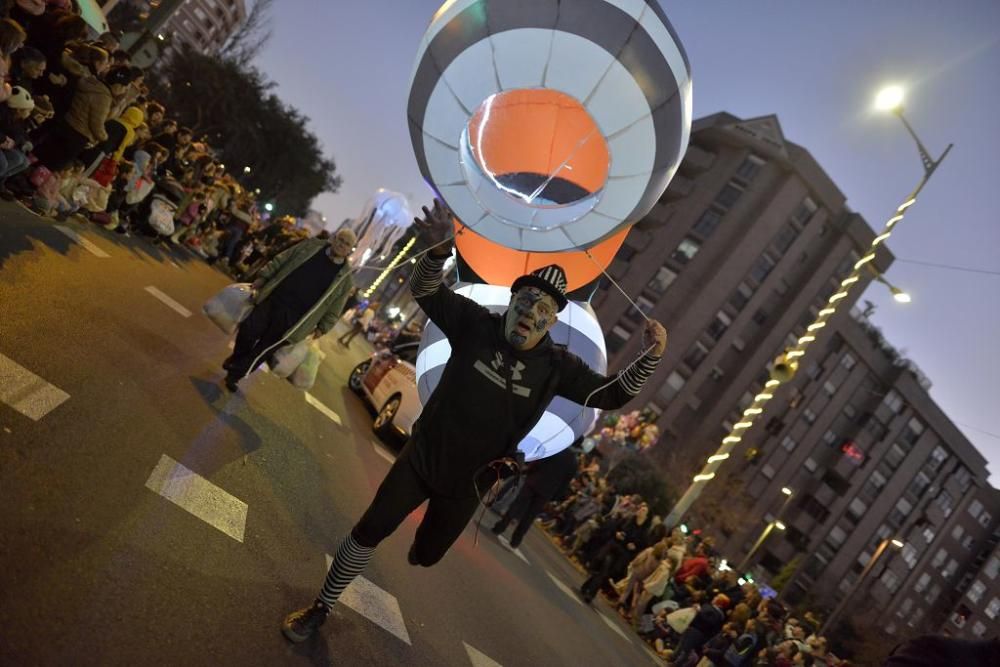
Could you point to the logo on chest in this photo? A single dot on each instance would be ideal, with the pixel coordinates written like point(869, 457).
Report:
point(495, 370)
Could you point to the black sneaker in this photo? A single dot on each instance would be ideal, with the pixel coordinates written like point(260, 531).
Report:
point(302, 624)
point(499, 527)
point(232, 383)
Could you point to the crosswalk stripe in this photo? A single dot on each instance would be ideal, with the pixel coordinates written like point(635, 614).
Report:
point(504, 541)
point(167, 301)
point(478, 658)
point(564, 588)
point(198, 496)
point(614, 626)
point(315, 402)
point(377, 605)
point(27, 393)
point(84, 243)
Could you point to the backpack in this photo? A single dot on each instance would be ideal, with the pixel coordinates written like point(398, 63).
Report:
point(741, 651)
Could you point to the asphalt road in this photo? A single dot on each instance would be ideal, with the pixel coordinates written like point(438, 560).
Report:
point(147, 517)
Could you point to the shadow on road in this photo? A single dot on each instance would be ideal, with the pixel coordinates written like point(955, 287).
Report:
point(20, 230)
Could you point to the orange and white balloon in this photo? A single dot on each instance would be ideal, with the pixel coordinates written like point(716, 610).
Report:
point(550, 125)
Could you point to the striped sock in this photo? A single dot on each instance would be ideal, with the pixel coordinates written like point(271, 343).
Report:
point(350, 561)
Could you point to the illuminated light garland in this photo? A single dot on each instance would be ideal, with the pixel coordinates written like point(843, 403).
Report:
point(704, 477)
point(392, 265)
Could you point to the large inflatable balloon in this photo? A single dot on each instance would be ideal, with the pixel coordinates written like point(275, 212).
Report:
point(549, 125)
point(383, 221)
point(577, 329)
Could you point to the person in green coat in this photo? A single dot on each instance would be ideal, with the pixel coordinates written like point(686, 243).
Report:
point(299, 293)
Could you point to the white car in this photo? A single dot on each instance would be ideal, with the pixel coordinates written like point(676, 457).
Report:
point(388, 383)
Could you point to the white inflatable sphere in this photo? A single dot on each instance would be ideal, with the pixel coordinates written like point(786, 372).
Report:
point(577, 329)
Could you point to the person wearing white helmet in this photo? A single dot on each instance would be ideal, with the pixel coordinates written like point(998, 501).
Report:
point(14, 142)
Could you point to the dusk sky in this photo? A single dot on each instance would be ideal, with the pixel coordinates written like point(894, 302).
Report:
point(346, 65)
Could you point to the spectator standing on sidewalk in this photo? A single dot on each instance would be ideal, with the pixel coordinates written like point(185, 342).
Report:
point(299, 293)
point(545, 479)
point(503, 372)
point(360, 324)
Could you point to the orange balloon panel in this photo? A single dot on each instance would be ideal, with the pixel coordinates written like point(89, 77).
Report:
point(500, 265)
point(539, 131)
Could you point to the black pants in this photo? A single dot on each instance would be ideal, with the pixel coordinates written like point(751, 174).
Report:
point(265, 326)
point(401, 492)
point(349, 336)
point(604, 564)
point(528, 505)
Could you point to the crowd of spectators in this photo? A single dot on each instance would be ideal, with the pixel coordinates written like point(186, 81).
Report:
point(81, 136)
point(672, 585)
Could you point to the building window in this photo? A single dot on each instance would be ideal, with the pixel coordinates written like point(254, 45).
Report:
point(978, 629)
point(939, 558)
point(916, 618)
point(707, 223)
point(661, 281)
point(904, 608)
point(975, 507)
point(809, 416)
point(950, 569)
point(784, 239)
point(830, 437)
point(829, 388)
point(687, 249)
point(810, 465)
point(919, 484)
point(922, 583)
point(741, 296)
point(992, 566)
point(729, 195)
point(695, 355)
point(932, 594)
point(767, 471)
point(893, 401)
point(967, 542)
point(749, 167)
point(891, 581)
point(719, 325)
point(976, 591)
point(945, 502)
point(847, 361)
point(762, 267)
point(957, 532)
point(670, 388)
point(910, 555)
point(856, 509)
point(928, 534)
point(899, 513)
point(963, 478)
point(617, 338)
point(759, 317)
point(993, 609)
point(805, 211)
point(912, 432)
point(937, 458)
point(637, 316)
point(815, 509)
point(788, 443)
point(895, 455)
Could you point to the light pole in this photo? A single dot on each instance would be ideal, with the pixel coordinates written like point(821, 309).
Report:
point(835, 614)
point(776, 523)
point(784, 367)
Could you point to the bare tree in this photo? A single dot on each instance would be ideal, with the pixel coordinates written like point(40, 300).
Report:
point(244, 45)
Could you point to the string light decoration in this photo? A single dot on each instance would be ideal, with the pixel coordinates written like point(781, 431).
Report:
point(392, 265)
point(784, 367)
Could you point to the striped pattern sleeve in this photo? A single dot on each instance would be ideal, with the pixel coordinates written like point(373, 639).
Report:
point(634, 376)
point(426, 276)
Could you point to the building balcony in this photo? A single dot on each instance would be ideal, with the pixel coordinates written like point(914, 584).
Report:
point(680, 186)
point(697, 160)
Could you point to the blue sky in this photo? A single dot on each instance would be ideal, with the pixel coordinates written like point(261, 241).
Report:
point(347, 64)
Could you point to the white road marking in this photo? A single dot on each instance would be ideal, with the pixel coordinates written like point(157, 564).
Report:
point(377, 605)
point(564, 588)
point(313, 401)
point(503, 540)
point(192, 492)
point(170, 303)
point(478, 658)
point(84, 243)
point(27, 393)
point(614, 626)
point(380, 450)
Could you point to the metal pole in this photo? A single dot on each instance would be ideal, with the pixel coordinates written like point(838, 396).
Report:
point(828, 623)
point(760, 540)
point(789, 359)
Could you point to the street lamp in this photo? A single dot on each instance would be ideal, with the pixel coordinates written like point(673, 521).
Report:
point(889, 98)
point(786, 364)
point(768, 529)
point(896, 543)
point(246, 170)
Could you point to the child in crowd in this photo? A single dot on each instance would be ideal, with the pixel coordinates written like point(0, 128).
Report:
point(14, 140)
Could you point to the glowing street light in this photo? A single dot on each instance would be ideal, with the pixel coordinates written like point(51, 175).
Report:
point(268, 207)
point(889, 98)
point(897, 543)
point(835, 614)
point(246, 170)
point(785, 490)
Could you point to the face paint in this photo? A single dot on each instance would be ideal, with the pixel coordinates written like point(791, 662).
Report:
point(530, 316)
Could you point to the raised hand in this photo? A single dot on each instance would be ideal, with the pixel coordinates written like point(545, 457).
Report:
point(435, 228)
point(655, 336)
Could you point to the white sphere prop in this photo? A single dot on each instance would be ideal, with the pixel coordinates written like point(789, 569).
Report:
point(577, 329)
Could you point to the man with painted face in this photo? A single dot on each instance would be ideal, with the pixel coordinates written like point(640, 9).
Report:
point(503, 372)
